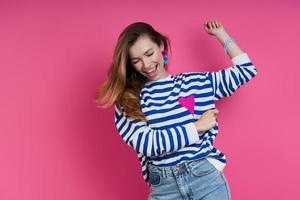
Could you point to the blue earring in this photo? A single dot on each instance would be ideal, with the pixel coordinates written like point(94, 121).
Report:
point(166, 59)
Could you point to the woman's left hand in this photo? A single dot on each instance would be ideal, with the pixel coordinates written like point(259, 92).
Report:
point(214, 27)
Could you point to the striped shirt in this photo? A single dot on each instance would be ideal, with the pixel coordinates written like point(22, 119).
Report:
point(171, 106)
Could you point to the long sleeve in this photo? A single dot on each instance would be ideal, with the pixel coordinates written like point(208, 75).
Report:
point(226, 81)
point(153, 142)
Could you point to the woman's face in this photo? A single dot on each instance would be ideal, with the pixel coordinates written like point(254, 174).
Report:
point(147, 59)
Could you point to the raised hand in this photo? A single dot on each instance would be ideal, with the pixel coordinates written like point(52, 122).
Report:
point(214, 27)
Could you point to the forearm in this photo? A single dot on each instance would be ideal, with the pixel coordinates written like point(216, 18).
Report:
point(232, 49)
point(154, 142)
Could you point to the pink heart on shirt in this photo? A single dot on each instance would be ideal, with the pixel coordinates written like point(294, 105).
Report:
point(188, 103)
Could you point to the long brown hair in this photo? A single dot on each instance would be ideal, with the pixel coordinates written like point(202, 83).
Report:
point(124, 83)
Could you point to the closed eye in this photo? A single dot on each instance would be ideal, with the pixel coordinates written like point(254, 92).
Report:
point(147, 55)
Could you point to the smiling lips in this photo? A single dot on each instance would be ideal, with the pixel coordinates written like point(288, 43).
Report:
point(151, 72)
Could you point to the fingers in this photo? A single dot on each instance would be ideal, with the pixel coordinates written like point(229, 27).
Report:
point(212, 24)
point(206, 27)
point(212, 112)
point(215, 111)
point(217, 23)
point(216, 114)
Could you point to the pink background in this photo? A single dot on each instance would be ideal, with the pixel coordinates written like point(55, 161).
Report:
point(54, 142)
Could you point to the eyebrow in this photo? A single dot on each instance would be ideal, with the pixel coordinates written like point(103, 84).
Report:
point(144, 54)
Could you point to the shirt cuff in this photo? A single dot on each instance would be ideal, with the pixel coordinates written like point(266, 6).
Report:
point(240, 59)
point(192, 133)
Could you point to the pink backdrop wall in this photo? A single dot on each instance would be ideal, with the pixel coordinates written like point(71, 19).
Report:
point(54, 142)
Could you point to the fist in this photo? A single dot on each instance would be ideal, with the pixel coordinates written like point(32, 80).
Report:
point(214, 27)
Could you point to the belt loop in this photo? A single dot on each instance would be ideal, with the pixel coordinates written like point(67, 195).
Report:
point(164, 173)
point(187, 167)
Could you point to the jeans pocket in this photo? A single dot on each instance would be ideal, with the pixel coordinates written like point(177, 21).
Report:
point(155, 178)
point(202, 167)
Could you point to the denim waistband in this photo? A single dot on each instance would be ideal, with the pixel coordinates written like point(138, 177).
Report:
point(180, 167)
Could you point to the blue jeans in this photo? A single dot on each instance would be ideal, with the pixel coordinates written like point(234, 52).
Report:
point(193, 180)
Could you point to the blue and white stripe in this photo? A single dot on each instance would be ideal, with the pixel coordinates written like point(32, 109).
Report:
point(228, 80)
point(154, 142)
point(169, 136)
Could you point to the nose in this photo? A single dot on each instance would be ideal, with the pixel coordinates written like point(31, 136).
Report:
point(146, 63)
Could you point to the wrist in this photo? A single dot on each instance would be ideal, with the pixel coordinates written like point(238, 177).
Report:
point(198, 127)
point(222, 37)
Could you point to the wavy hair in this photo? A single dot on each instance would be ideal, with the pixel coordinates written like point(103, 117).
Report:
point(124, 83)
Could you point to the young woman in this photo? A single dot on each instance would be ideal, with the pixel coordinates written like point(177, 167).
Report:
point(171, 120)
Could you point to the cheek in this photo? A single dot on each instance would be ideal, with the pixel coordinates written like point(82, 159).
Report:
point(159, 56)
point(160, 59)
